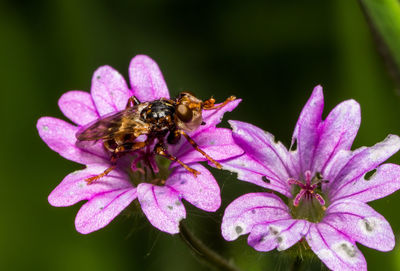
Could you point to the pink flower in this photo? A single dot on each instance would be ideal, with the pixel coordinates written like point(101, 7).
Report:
point(108, 196)
point(327, 187)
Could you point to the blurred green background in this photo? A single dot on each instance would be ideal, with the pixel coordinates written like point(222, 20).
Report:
point(270, 53)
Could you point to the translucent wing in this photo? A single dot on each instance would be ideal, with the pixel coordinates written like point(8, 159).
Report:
point(124, 122)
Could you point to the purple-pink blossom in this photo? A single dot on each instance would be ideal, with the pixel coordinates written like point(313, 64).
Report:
point(108, 196)
point(325, 186)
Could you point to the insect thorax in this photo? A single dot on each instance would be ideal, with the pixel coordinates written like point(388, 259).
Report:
point(160, 114)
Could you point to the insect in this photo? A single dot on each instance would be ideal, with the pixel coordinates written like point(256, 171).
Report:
point(160, 120)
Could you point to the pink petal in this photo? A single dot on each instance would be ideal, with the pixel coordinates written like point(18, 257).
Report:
point(74, 188)
point(203, 191)
point(146, 79)
point(60, 137)
point(78, 106)
point(250, 170)
point(363, 162)
point(362, 223)
point(306, 130)
point(337, 133)
point(109, 90)
point(249, 210)
point(102, 209)
point(216, 142)
point(262, 147)
point(213, 117)
point(162, 207)
point(385, 181)
point(337, 162)
point(280, 234)
point(335, 249)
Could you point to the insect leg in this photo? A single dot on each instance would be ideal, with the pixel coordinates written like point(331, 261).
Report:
point(160, 149)
point(113, 161)
point(173, 137)
point(117, 153)
point(132, 101)
point(209, 104)
point(136, 146)
point(196, 147)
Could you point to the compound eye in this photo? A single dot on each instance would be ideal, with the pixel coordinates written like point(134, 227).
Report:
point(184, 113)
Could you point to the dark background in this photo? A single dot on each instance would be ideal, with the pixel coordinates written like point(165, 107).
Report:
point(270, 53)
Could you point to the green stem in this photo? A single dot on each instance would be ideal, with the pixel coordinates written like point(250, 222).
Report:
point(204, 252)
point(384, 23)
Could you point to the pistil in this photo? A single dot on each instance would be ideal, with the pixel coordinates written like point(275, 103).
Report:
point(307, 189)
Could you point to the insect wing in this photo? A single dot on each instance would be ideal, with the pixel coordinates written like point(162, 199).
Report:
point(109, 126)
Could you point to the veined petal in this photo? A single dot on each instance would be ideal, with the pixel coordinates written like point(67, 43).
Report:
point(74, 188)
point(362, 223)
point(60, 137)
point(201, 191)
point(385, 181)
point(281, 234)
point(102, 209)
point(337, 133)
point(78, 106)
point(109, 90)
point(335, 249)
point(216, 142)
point(249, 210)
point(249, 170)
point(162, 207)
point(337, 162)
point(306, 131)
point(365, 161)
point(262, 147)
point(146, 79)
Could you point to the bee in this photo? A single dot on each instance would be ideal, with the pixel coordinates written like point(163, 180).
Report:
point(159, 120)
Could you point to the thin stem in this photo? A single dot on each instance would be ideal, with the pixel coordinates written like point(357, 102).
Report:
point(382, 46)
point(204, 252)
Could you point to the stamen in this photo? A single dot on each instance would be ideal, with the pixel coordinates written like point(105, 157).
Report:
point(298, 197)
point(320, 199)
point(293, 181)
point(307, 174)
point(307, 189)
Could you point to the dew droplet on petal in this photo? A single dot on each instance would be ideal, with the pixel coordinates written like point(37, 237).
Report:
point(45, 128)
point(273, 230)
point(369, 225)
point(346, 250)
point(238, 229)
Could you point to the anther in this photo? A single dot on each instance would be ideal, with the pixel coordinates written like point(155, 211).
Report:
point(307, 189)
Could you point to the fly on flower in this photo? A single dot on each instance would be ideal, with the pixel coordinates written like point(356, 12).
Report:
point(160, 120)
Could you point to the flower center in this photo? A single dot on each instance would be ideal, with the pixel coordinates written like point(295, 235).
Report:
point(149, 168)
point(308, 202)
